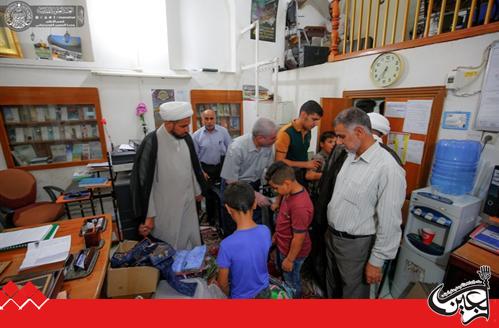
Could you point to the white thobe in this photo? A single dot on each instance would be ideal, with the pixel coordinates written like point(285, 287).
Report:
point(172, 200)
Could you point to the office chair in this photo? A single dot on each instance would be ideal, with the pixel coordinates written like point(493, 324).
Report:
point(18, 206)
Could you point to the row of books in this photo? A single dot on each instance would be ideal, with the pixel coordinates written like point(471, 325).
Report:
point(26, 154)
point(220, 109)
point(230, 123)
point(48, 113)
point(48, 133)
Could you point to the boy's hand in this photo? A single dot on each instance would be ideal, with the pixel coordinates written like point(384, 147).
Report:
point(287, 265)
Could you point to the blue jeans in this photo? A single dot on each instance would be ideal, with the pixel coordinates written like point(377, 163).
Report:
point(293, 278)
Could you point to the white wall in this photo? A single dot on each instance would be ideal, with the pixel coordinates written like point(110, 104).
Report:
point(424, 66)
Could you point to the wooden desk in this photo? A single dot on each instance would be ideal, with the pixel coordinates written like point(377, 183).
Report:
point(87, 287)
point(464, 263)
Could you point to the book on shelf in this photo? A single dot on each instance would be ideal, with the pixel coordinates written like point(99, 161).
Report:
point(21, 238)
point(39, 160)
point(24, 115)
point(77, 150)
point(84, 131)
point(51, 113)
point(19, 135)
point(18, 161)
point(234, 110)
point(28, 134)
point(74, 132)
point(11, 133)
point(95, 150)
point(41, 114)
point(11, 115)
point(61, 113)
point(89, 113)
point(58, 152)
point(69, 153)
point(94, 132)
point(33, 114)
point(486, 236)
point(37, 133)
point(50, 133)
point(45, 133)
point(85, 151)
point(25, 152)
point(73, 113)
point(234, 122)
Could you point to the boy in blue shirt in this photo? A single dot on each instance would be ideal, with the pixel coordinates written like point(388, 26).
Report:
point(242, 258)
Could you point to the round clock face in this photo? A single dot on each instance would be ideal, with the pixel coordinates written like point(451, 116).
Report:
point(386, 69)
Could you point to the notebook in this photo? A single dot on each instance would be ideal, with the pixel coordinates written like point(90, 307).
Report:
point(46, 252)
point(92, 182)
point(486, 236)
point(21, 238)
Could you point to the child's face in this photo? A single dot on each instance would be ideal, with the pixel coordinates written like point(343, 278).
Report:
point(282, 189)
point(328, 145)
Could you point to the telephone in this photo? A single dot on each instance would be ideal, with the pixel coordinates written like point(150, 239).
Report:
point(492, 201)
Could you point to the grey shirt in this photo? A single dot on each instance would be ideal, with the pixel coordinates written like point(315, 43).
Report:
point(244, 162)
point(368, 198)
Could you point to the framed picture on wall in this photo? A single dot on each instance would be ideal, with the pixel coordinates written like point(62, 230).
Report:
point(9, 45)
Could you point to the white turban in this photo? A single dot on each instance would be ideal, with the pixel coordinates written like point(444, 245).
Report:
point(379, 123)
point(175, 110)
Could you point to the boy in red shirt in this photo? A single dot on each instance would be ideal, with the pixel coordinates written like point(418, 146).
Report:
point(295, 216)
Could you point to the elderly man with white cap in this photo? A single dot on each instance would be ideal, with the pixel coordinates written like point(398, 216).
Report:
point(380, 126)
point(167, 179)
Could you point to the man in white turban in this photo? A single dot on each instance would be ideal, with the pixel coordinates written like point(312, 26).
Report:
point(167, 179)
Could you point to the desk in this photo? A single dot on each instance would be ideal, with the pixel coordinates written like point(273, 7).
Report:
point(88, 287)
point(464, 263)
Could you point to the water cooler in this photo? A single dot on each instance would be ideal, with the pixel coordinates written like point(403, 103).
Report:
point(451, 217)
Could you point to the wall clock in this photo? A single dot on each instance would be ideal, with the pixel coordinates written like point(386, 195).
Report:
point(386, 69)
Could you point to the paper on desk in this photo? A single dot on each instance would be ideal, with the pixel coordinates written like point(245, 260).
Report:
point(126, 147)
point(46, 252)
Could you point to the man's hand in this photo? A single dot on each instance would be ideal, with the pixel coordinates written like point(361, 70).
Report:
point(274, 207)
point(287, 265)
point(206, 176)
point(261, 200)
point(313, 164)
point(199, 198)
point(146, 228)
point(273, 239)
point(373, 274)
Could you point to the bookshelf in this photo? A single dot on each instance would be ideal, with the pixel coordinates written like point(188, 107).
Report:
point(44, 128)
point(227, 104)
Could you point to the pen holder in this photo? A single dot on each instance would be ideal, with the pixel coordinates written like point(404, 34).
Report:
point(92, 239)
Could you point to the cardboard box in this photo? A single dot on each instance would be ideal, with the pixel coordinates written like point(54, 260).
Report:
point(419, 290)
point(133, 281)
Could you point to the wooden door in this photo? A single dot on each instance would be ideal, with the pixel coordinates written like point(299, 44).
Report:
point(332, 107)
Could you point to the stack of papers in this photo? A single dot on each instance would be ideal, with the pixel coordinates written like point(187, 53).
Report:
point(46, 252)
point(20, 238)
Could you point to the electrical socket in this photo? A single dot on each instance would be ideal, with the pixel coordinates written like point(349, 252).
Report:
point(492, 135)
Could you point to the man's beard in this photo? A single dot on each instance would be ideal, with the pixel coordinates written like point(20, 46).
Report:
point(177, 136)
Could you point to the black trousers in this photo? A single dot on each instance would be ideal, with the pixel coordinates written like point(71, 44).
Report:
point(212, 199)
